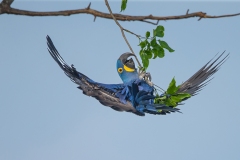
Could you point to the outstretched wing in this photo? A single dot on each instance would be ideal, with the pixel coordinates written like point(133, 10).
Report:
point(202, 77)
point(104, 93)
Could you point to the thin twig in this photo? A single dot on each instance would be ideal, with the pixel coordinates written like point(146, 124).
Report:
point(139, 36)
point(88, 7)
point(154, 23)
point(160, 88)
point(122, 30)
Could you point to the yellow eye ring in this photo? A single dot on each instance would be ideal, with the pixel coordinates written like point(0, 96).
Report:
point(120, 70)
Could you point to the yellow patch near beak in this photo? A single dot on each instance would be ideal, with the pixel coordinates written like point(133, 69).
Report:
point(128, 69)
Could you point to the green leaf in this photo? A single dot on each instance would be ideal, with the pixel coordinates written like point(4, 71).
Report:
point(160, 34)
point(172, 89)
point(160, 52)
point(183, 95)
point(145, 62)
point(148, 54)
point(176, 99)
point(165, 45)
point(159, 31)
point(160, 28)
point(155, 52)
point(141, 53)
point(148, 45)
point(169, 102)
point(123, 5)
point(143, 44)
point(147, 34)
point(153, 42)
point(179, 97)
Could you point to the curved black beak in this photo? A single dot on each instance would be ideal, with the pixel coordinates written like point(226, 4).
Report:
point(128, 62)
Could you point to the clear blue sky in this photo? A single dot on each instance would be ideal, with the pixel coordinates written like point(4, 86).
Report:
point(43, 116)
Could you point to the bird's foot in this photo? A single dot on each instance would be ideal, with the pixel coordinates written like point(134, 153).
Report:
point(146, 76)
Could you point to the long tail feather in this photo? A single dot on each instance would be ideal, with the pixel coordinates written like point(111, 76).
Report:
point(203, 76)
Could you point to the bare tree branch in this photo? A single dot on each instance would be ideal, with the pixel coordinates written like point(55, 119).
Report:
point(5, 5)
point(6, 9)
point(7, 2)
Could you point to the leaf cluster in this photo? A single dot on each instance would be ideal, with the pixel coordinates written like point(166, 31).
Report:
point(153, 47)
point(171, 97)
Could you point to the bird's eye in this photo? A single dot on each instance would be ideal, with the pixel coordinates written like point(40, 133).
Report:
point(120, 70)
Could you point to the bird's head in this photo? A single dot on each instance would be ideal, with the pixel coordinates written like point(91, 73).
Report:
point(126, 68)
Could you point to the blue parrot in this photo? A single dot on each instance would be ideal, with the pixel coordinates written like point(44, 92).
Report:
point(135, 94)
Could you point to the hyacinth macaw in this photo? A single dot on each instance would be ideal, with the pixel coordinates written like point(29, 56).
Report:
point(134, 94)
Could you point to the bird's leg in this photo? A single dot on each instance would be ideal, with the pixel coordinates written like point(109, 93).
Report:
point(148, 76)
point(145, 76)
point(148, 79)
point(141, 74)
